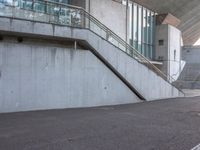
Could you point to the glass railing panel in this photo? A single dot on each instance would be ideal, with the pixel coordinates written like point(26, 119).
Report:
point(96, 29)
point(112, 40)
point(26, 4)
point(7, 2)
point(76, 19)
point(5, 9)
point(65, 16)
point(94, 25)
point(103, 34)
point(39, 7)
point(87, 21)
point(122, 47)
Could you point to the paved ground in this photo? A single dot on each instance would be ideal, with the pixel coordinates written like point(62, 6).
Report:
point(161, 125)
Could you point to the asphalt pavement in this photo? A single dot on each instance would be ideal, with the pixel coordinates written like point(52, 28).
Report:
point(172, 124)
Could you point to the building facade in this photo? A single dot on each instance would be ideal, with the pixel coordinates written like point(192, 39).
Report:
point(141, 28)
point(133, 22)
point(89, 53)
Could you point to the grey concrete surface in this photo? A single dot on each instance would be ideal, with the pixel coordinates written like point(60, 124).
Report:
point(44, 74)
point(159, 125)
point(146, 82)
point(170, 52)
point(109, 12)
point(190, 76)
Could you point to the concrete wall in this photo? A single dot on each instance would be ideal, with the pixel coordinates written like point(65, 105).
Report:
point(161, 53)
point(36, 75)
point(170, 52)
point(110, 13)
point(176, 64)
point(148, 83)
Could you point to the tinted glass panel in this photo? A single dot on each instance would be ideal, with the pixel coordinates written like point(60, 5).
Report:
point(141, 29)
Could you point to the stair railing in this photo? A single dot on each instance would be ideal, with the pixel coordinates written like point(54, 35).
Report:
point(69, 15)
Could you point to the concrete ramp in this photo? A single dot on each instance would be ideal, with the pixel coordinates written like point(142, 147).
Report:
point(37, 74)
point(150, 85)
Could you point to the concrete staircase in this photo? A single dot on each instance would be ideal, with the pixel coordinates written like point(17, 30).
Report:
point(131, 68)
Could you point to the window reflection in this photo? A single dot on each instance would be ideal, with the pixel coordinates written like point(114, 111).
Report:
point(135, 25)
point(141, 29)
point(144, 27)
point(130, 23)
point(42, 11)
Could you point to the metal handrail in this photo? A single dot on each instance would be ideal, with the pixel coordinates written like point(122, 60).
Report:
point(132, 48)
point(128, 49)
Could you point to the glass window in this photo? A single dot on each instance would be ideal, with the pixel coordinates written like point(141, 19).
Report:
point(144, 32)
point(144, 24)
point(148, 32)
point(124, 2)
point(7, 2)
point(140, 29)
point(152, 28)
point(153, 38)
point(130, 33)
point(141, 24)
point(39, 7)
point(135, 25)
